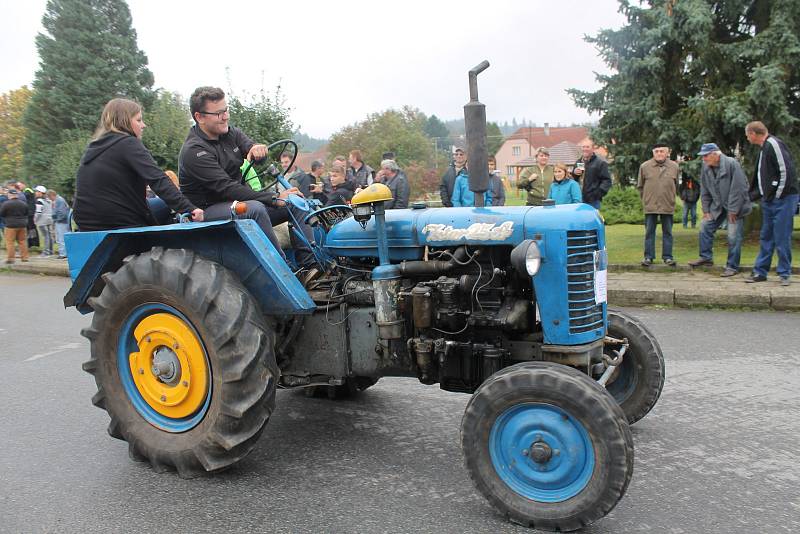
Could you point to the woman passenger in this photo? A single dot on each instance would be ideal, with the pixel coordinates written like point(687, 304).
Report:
point(115, 171)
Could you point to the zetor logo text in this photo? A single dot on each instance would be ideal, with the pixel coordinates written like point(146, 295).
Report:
point(477, 232)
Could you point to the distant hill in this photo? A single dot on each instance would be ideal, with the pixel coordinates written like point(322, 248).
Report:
point(308, 143)
point(456, 126)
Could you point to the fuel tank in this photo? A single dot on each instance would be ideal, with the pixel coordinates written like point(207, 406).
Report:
point(410, 230)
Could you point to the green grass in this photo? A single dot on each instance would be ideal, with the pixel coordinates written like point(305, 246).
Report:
point(625, 244)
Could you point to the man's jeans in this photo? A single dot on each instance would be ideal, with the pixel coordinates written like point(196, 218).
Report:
point(61, 229)
point(650, 221)
point(266, 218)
point(776, 235)
point(735, 237)
point(689, 210)
point(47, 233)
point(595, 204)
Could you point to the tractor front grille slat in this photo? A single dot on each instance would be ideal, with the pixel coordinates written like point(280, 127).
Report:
point(584, 314)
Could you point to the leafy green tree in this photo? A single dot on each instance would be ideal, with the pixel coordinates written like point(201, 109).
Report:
point(263, 118)
point(399, 131)
point(696, 71)
point(437, 130)
point(494, 138)
point(66, 157)
point(12, 132)
point(168, 122)
point(88, 55)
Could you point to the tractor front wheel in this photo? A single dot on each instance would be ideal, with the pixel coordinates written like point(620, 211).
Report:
point(183, 361)
point(547, 446)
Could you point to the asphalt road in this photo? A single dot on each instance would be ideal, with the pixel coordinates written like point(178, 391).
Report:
point(719, 453)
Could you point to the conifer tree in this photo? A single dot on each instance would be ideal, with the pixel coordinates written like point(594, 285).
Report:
point(88, 55)
point(696, 71)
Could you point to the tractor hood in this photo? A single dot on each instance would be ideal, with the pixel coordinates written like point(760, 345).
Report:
point(410, 230)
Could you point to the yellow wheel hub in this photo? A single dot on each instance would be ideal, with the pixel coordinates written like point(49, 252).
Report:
point(171, 369)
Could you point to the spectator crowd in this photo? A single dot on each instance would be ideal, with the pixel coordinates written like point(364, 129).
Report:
point(215, 170)
point(37, 217)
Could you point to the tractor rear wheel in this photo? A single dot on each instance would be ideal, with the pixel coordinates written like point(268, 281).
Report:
point(183, 361)
point(547, 446)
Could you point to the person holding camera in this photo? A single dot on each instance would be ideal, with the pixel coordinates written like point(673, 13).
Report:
point(592, 171)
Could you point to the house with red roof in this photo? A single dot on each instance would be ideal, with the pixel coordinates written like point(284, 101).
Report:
point(519, 149)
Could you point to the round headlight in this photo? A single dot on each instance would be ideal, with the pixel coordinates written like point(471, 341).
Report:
point(533, 259)
point(526, 257)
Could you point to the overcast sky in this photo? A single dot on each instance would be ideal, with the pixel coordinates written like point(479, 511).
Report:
point(338, 61)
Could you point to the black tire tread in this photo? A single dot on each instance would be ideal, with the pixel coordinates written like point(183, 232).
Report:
point(236, 332)
point(650, 359)
point(535, 378)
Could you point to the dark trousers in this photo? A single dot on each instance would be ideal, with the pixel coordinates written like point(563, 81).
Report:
point(776, 235)
point(689, 211)
point(266, 218)
point(650, 221)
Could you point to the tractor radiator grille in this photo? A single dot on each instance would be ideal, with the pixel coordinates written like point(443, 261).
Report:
point(584, 314)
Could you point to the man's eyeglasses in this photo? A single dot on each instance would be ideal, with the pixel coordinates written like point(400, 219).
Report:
point(218, 114)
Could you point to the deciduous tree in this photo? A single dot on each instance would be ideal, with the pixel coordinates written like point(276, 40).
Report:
point(399, 131)
point(12, 132)
point(168, 122)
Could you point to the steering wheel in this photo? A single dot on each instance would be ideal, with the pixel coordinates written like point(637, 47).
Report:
point(271, 171)
point(329, 216)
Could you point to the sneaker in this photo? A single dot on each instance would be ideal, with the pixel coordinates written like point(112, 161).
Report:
point(701, 261)
point(9, 262)
point(670, 262)
point(753, 278)
point(729, 272)
point(647, 262)
point(25, 260)
point(785, 282)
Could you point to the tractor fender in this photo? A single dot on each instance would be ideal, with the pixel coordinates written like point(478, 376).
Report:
point(238, 245)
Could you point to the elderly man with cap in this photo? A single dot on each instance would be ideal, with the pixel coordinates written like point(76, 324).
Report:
point(775, 184)
point(448, 184)
point(658, 184)
point(724, 196)
point(395, 179)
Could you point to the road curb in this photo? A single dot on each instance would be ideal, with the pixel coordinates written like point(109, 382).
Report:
point(37, 267)
point(706, 291)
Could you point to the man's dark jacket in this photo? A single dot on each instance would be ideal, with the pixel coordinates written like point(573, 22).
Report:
point(775, 176)
point(110, 191)
point(14, 213)
point(340, 195)
point(210, 169)
point(362, 176)
point(596, 179)
point(447, 186)
point(689, 189)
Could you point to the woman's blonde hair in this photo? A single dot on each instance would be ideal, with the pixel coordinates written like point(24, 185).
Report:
point(117, 117)
point(563, 168)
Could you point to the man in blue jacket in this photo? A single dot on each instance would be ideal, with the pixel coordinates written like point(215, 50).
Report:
point(60, 219)
point(462, 196)
point(775, 183)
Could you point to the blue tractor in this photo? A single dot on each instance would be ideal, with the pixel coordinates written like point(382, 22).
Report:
point(196, 325)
